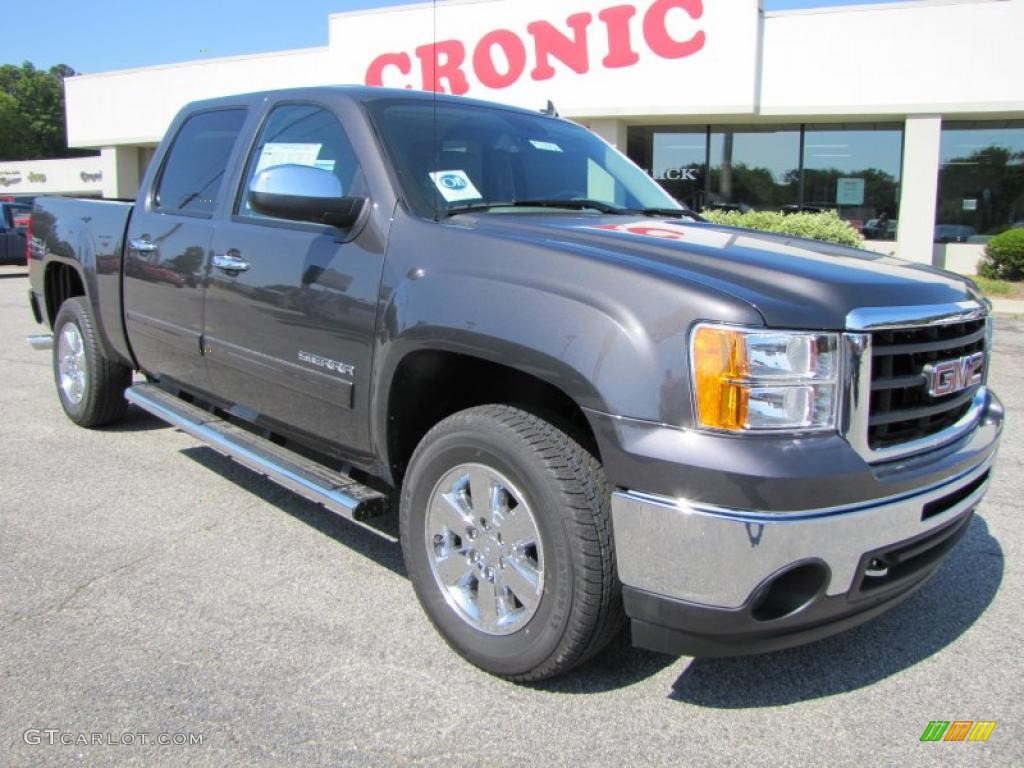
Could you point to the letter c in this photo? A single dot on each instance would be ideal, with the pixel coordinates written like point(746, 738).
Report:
point(375, 72)
point(656, 29)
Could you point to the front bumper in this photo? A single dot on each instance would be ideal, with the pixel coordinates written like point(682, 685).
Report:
point(706, 580)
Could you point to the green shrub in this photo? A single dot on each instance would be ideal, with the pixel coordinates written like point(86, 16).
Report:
point(825, 226)
point(1004, 256)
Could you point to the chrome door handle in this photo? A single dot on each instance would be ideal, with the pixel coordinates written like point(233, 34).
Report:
point(142, 245)
point(230, 263)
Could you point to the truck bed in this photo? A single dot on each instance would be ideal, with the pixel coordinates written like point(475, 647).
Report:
point(90, 232)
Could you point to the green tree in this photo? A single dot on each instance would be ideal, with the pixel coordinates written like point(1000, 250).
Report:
point(32, 113)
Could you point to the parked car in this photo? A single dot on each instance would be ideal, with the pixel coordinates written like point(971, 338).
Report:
point(586, 404)
point(729, 207)
point(876, 229)
point(13, 232)
point(953, 233)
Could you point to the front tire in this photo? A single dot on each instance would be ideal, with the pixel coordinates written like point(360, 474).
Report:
point(506, 533)
point(91, 387)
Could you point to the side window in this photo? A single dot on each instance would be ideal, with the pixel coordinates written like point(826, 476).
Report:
point(302, 134)
point(194, 169)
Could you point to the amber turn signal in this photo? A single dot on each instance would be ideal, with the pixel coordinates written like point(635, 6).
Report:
point(720, 365)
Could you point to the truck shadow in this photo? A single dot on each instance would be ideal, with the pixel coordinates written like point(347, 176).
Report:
point(366, 543)
point(137, 420)
point(929, 621)
point(618, 666)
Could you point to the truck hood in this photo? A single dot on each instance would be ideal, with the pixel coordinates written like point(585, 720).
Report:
point(792, 282)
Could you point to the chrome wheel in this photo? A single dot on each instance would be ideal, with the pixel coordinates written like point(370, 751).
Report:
point(71, 361)
point(485, 549)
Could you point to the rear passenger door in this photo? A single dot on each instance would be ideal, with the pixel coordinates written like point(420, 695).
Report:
point(167, 250)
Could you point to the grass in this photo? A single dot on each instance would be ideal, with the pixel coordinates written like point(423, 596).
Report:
point(999, 289)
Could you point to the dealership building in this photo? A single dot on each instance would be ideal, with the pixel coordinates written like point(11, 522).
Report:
point(907, 118)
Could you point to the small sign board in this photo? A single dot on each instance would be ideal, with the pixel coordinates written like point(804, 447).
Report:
point(971, 204)
point(850, 192)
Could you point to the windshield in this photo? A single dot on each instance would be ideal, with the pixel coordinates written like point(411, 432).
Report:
point(494, 156)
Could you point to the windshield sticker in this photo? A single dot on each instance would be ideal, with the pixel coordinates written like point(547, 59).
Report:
point(288, 154)
point(324, 165)
point(546, 146)
point(455, 186)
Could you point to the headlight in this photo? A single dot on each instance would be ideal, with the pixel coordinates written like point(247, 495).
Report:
point(758, 380)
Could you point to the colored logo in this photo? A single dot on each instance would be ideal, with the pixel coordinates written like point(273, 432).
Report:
point(958, 730)
point(453, 181)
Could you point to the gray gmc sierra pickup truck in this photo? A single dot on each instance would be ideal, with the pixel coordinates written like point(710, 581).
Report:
point(586, 403)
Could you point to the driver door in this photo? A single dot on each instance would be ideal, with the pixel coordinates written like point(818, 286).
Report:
point(291, 306)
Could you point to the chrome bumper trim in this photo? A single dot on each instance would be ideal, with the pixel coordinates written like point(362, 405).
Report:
point(717, 557)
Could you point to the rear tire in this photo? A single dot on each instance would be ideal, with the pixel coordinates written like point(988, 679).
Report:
point(91, 387)
point(522, 582)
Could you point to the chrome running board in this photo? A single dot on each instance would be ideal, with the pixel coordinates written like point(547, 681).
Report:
point(333, 490)
point(40, 341)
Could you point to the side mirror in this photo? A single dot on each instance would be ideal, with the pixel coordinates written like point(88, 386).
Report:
point(303, 193)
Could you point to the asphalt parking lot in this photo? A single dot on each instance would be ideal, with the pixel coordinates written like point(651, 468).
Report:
point(150, 586)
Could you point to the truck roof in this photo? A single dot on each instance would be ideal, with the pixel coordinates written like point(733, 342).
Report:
point(356, 93)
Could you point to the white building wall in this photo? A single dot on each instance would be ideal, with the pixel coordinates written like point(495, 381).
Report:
point(921, 145)
point(121, 172)
point(934, 56)
point(135, 106)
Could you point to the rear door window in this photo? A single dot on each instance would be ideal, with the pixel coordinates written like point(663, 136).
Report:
point(193, 174)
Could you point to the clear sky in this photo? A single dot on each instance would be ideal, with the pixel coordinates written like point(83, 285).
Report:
point(100, 35)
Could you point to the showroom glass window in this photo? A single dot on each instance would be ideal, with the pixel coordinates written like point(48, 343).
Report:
point(754, 168)
point(856, 171)
point(981, 179)
point(676, 158)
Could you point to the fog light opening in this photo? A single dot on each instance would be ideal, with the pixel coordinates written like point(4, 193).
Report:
point(788, 592)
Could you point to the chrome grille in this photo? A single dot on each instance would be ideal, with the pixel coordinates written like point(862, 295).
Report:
point(888, 412)
point(901, 409)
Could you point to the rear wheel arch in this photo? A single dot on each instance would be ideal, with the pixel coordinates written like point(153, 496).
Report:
point(61, 281)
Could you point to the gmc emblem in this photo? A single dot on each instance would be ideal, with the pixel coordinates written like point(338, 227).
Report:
point(954, 375)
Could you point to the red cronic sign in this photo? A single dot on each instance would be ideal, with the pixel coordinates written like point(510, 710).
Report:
point(501, 58)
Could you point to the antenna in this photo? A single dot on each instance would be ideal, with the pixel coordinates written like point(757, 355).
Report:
point(550, 110)
point(434, 86)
